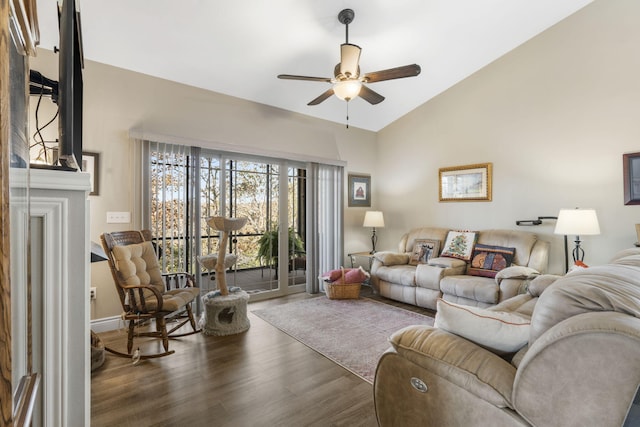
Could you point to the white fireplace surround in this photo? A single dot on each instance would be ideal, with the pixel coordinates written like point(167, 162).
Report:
point(60, 250)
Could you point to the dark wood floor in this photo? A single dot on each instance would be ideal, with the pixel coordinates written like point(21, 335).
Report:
point(262, 377)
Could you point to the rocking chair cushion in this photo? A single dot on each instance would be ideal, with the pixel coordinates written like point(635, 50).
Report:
point(138, 265)
point(174, 299)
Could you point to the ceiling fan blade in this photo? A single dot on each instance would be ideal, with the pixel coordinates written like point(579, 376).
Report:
point(370, 96)
point(349, 59)
point(322, 97)
point(312, 79)
point(393, 73)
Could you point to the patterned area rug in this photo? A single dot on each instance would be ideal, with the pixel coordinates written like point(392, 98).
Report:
point(353, 333)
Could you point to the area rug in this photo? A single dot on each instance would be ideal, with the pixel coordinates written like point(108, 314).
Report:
point(353, 333)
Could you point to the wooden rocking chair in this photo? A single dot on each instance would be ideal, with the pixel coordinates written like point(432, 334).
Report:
point(145, 293)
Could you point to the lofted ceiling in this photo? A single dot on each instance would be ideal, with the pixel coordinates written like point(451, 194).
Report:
point(239, 47)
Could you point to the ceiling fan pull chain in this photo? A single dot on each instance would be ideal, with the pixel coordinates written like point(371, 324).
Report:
point(347, 114)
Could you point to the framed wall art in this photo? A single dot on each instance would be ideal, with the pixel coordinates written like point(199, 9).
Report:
point(359, 190)
point(631, 173)
point(91, 164)
point(470, 183)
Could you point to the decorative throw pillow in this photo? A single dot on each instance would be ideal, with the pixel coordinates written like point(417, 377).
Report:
point(424, 250)
point(499, 331)
point(459, 244)
point(488, 260)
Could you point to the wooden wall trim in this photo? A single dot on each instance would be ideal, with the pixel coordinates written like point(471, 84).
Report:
point(5, 283)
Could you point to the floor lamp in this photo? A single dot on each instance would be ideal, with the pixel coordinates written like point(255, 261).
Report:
point(577, 222)
point(373, 219)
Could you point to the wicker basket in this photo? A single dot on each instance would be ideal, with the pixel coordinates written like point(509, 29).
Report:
point(342, 290)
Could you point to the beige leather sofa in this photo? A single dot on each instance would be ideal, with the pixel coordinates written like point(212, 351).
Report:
point(392, 275)
point(580, 367)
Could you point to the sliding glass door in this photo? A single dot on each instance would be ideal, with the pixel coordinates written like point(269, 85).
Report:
point(189, 185)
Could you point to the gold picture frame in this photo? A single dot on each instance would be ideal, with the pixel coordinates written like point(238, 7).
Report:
point(469, 183)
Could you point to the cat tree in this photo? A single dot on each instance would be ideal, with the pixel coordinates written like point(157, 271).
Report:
point(225, 312)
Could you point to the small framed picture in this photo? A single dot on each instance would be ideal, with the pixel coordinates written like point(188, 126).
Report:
point(424, 250)
point(631, 173)
point(91, 164)
point(359, 190)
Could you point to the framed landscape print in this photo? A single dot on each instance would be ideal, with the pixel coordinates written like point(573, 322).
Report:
point(470, 183)
point(359, 190)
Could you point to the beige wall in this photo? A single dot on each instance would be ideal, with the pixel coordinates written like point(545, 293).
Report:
point(554, 116)
point(117, 100)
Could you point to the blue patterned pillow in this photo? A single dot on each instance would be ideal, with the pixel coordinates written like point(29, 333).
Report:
point(488, 260)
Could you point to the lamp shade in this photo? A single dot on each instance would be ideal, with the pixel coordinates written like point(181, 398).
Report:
point(373, 219)
point(346, 90)
point(580, 222)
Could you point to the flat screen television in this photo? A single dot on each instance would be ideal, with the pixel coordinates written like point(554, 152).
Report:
point(71, 63)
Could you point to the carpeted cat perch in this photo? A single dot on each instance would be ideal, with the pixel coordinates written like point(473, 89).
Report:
point(225, 312)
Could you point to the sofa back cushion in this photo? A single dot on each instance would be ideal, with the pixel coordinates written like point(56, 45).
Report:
point(408, 240)
point(610, 287)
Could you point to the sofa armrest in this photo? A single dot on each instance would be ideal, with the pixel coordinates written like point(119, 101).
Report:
point(388, 258)
point(446, 262)
point(459, 361)
point(597, 355)
point(514, 280)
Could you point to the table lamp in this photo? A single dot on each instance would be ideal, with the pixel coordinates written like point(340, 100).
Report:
point(373, 219)
point(578, 222)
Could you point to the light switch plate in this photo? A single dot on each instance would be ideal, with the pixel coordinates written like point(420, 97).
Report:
point(118, 217)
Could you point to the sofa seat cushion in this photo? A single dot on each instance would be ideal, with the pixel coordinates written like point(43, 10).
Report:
point(481, 289)
point(399, 274)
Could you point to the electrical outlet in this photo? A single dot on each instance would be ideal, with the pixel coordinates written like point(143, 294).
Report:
point(92, 292)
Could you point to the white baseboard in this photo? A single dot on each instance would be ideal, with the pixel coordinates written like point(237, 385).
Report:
point(106, 324)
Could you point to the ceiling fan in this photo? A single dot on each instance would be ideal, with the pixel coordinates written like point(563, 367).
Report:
point(347, 82)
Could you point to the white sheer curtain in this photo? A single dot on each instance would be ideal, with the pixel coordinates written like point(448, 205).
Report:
point(170, 208)
point(325, 227)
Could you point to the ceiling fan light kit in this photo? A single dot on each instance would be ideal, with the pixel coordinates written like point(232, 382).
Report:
point(347, 82)
point(346, 90)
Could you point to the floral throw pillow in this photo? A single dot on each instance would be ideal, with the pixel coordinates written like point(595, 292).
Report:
point(460, 244)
